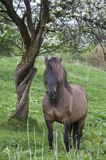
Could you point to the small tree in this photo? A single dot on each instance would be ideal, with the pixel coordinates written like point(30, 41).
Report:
point(32, 29)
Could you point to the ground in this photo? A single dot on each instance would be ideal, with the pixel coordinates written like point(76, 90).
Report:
point(28, 141)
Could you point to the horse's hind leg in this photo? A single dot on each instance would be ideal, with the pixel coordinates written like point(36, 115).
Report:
point(67, 133)
point(77, 133)
point(70, 129)
point(50, 133)
point(80, 128)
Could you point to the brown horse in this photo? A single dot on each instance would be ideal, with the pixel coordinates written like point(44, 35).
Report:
point(63, 102)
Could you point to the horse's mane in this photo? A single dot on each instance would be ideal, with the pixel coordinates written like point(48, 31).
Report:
point(58, 71)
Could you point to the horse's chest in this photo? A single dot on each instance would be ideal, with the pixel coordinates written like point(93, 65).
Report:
point(58, 114)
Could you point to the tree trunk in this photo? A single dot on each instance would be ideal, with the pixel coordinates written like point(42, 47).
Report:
point(33, 36)
point(25, 72)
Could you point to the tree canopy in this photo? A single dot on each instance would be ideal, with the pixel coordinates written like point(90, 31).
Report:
point(77, 23)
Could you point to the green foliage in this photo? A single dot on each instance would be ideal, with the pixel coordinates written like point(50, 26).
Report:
point(76, 24)
point(28, 141)
point(9, 39)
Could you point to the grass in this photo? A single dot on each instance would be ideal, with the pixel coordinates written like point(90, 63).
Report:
point(28, 141)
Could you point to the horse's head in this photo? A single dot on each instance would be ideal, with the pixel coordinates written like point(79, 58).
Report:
point(53, 76)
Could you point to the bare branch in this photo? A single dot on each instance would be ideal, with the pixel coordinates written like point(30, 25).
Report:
point(29, 16)
point(6, 18)
point(41, 30)
point(18, 5)
point(3, 11)
point(44, 11)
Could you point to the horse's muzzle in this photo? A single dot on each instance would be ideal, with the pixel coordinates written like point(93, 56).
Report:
point(51, 94)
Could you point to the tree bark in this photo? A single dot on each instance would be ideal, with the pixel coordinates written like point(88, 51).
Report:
point(22, 91)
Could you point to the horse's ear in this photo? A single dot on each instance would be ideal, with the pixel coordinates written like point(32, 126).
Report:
point(46, 60)
point(60, 60)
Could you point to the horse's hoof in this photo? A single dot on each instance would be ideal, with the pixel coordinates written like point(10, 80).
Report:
point(70, 146)
point(50, 149)
point(67, 150)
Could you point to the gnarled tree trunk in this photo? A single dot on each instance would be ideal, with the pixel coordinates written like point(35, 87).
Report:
point(22, 91)
point(32, 36)
point(25, 72)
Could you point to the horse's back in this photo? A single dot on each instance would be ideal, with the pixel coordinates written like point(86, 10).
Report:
point(79, 102)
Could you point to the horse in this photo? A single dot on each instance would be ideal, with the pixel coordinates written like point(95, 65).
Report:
point(64, 103)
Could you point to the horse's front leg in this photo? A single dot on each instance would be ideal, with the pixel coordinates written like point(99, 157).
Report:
point(50, 133)
point(66, 137)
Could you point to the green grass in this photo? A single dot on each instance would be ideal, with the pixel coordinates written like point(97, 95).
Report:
point(28, 141)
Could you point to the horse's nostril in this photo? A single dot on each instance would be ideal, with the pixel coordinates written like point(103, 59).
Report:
point(54, 93)
point(47, 92)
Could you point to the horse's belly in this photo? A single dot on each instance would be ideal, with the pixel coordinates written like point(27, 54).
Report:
point(78, 111)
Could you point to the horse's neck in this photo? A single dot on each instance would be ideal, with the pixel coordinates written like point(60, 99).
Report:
point(61, 96)
point(61, 90)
